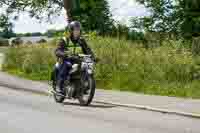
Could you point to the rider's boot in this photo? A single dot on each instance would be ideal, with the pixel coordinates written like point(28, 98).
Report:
point(60, 87)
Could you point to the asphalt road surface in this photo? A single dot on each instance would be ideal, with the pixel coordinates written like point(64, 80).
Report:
point(22, 112)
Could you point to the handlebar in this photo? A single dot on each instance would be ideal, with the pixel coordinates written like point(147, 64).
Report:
point(84, 55)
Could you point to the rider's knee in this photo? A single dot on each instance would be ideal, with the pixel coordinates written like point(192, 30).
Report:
point(57, 65)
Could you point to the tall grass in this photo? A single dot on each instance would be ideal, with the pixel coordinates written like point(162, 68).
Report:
point(166, 70)
point(33, 62)
point(126, 66)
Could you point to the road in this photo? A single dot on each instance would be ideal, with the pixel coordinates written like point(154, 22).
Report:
point(23, 112)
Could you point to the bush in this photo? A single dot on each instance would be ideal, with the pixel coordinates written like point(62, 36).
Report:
point(16, 42)
point(4, 42)
point(29, 43)
point(42, 41)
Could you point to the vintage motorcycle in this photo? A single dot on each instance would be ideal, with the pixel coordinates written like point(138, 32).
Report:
point(81, 84)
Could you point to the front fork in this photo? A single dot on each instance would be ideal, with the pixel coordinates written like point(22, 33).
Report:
point(84, 81)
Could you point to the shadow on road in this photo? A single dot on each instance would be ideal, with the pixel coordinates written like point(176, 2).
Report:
point(93, 105)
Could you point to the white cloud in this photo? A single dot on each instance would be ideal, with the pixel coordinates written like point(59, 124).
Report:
point(26, 24)
point(122, 11)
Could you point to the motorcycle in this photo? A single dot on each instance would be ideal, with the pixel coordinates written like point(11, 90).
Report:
point(81, 84)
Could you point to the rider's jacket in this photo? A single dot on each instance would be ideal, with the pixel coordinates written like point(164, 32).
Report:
point(69, 44)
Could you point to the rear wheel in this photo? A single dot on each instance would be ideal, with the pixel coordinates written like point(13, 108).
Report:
point(89, 85)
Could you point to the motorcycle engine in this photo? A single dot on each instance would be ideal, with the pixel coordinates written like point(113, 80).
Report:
point(70, 90)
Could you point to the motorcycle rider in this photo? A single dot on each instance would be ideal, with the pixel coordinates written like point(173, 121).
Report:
point(64, 62)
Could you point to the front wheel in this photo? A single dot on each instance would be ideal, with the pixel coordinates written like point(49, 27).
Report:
point(90, 86)
point(59, 98)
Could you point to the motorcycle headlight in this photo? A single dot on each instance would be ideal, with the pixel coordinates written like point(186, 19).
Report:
point(90, 71)
point(90, 65)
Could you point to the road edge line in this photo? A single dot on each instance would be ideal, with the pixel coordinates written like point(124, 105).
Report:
point(148, 108)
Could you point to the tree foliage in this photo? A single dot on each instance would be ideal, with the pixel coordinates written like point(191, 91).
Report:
point(6, 27)
point(36, 8)
point(172, 16)
point(93, 14)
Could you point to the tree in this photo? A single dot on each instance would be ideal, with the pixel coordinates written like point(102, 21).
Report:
point(6, 27)
point(180, 17)
point(27, 34)
point(54, 33)
point(122, 30)
point(135, 35)
point(93, 14)
point(70, 6)
point(37, 8)
point(161, 16)
point(190, 12)
point(37, 34)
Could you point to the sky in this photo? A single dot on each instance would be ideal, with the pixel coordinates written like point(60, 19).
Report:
point(122, 11)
